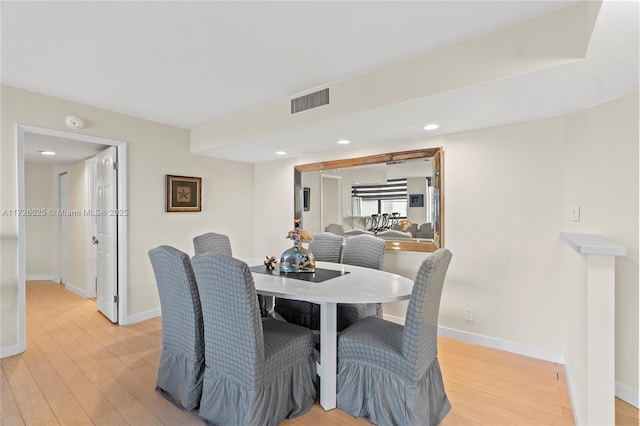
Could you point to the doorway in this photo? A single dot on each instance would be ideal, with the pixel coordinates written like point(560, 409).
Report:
point(24, 131)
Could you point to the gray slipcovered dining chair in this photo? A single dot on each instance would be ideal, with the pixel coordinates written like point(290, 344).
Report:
point(212, 242)
point(366, 251)
point(326, 247)
point(182, 362)
point(258, 372)
point(390, 374)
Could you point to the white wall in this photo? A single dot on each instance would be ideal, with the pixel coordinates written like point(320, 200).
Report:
point(76, 225)
point(504, 210)
point(311, 218)
point(502, 224)
point(153, 151)
point(417, 185)
point(601, 176)
point(39, 229)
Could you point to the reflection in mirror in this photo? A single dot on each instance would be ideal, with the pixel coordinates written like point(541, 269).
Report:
point(393, 196)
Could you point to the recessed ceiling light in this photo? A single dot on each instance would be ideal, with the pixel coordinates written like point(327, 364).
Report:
point(344, 142)
point(47, 152)
point(281, 153)
point(431, 126)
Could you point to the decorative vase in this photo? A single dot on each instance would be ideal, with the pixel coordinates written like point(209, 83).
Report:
point(297, 259)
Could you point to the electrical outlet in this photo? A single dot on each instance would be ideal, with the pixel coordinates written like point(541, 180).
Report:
point(468, 314)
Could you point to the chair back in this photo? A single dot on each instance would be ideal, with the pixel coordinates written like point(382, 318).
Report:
point(425, 231)
point(212, 242)
point(394, 235)
point(419, 340)
point(364, 250)
point(334, 228)
point(327, 247)
point(233, 335)
point(182, 324)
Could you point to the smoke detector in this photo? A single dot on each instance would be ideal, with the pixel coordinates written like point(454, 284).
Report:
point(74, 122)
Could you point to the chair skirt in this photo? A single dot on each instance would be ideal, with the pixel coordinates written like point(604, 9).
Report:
point(180, 379)
point(227, 401)
point(385, 398)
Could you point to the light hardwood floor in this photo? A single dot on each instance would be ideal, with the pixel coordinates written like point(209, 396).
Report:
point(79, 369)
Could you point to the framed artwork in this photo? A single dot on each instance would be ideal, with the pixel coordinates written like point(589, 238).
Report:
point(184, 194)
point(416, 200)
point(306, 199)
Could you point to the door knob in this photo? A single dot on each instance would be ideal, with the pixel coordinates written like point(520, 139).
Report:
point(94, 240)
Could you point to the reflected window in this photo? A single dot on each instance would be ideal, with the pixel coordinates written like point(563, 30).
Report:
point(390, 197)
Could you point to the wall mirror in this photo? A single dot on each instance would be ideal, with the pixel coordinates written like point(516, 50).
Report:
point(396, 196)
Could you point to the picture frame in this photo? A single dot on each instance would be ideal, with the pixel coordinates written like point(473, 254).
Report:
point(416, 200)
point(306, 199)
point(184, 194)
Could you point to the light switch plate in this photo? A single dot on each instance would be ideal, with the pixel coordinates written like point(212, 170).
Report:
point(575, 213)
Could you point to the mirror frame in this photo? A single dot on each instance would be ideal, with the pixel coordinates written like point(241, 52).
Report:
point(436, 154)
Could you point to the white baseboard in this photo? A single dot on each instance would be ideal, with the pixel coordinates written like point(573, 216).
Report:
point(628, 395)
point(493, 342)
point(10, 350)
point(577, 413)
point(504, 345)
point(142, 316)
point(42, 278)
point(75, 290)
point(397, 320)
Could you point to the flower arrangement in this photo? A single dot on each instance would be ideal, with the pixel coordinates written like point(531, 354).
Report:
point(298, 234)
point(405, 223)
point(298, 258)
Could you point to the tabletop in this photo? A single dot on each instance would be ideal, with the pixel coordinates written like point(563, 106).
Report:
point(360, 285)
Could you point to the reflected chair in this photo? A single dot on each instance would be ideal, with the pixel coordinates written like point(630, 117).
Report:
point(366, 251)
point(357, 231)
point(258, 372)
point(326, 247)
point(394, 235)
point(182, 362)
point(375, 220)
point(425, 231)
point(393, 219)
point(390, 374)
point(334, 228)
point(212, 242)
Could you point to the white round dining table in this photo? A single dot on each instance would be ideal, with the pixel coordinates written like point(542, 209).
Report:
point(354, 285)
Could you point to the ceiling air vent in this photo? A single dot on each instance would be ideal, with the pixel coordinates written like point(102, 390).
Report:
point(312, 100)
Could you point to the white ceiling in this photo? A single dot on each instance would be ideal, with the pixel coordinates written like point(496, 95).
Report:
point(191, 63)
point(68, 151)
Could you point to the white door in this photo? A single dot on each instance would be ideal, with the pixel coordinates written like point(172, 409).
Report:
point(64, 234)
point(107, 231)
